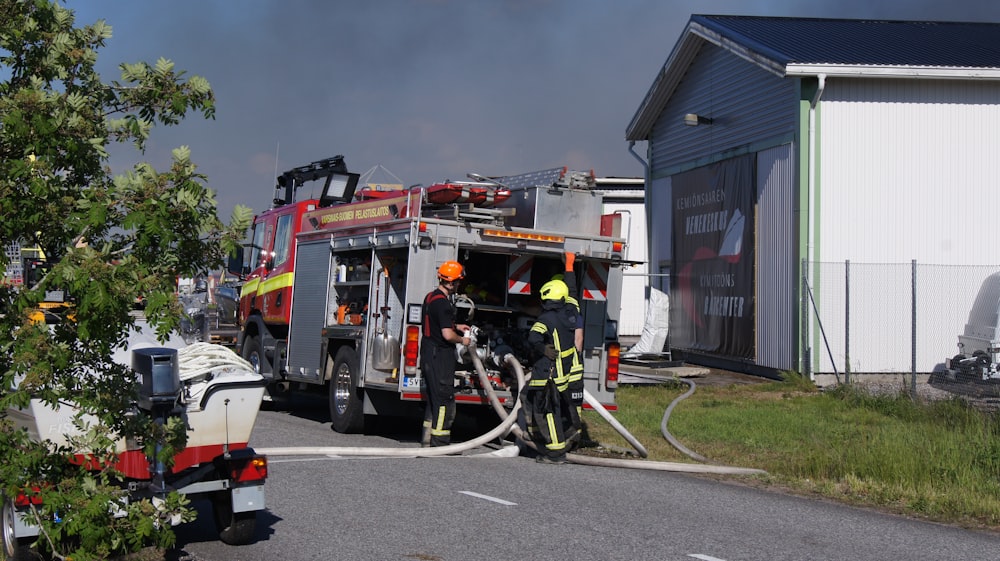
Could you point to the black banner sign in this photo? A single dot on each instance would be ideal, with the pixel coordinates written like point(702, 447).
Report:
point(712, 277)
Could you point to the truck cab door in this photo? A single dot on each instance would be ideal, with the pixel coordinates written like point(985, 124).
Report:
point(276, 282)
point(257, 262)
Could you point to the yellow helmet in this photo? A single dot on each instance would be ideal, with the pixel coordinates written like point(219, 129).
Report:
point(554, 290)
point(451, 271)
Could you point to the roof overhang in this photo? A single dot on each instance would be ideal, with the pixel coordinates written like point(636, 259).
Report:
point(920, 72)
point(698, 32)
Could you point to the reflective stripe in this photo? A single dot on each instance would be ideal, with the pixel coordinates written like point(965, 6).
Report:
point(539, 327)
point(550, 420)
point(436, 429)
point(559, 368)
point(595, 282)
point(519, 276)
point(276, 283)
point(250, 288)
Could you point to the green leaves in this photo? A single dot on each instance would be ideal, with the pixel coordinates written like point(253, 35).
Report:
point(107, 240)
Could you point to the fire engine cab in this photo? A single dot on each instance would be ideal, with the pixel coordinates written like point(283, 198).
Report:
point(333, 285)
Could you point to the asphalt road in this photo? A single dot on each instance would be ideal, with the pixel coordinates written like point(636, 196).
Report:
point(478, 508)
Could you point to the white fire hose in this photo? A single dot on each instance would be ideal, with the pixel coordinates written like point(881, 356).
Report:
point(507, 426)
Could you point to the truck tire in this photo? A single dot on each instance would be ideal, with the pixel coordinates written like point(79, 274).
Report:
point(346, 405)
point(13, 549)
point(253, 353)
point(235, 528)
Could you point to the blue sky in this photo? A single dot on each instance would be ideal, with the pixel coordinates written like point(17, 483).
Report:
point(429, 89)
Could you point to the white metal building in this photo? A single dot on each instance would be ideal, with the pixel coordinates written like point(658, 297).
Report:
point(780, 147)
point(627, 196)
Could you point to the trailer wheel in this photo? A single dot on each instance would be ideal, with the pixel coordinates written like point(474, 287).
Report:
point(235, 528)
point(346, 406)
point(253, 353)
point(14, 549)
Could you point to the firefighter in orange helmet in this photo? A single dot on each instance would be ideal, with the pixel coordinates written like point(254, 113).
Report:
point(439, 335)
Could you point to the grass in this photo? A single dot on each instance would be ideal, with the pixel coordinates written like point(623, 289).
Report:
point(936, 460)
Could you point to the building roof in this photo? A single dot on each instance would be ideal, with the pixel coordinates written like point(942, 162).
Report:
point(797, 47)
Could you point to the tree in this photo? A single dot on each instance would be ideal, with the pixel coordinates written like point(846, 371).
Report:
point(107, 240)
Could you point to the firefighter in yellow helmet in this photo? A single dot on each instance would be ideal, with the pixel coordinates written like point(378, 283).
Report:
point(576, 378)
point(439, 335)
point(551, 415)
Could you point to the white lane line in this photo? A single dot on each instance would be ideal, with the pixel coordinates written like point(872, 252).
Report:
point(488, 498)
point(704, 557)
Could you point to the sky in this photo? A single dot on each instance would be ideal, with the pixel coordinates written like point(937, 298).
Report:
point(424, 90)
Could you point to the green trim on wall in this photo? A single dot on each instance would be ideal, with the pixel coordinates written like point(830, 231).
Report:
point(809, 218)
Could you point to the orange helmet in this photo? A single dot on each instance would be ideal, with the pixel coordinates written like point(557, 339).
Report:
point(451, 271)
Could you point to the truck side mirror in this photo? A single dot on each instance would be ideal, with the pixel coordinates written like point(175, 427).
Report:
point(234, 263)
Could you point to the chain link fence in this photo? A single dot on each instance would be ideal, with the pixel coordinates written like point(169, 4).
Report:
point(866, 319)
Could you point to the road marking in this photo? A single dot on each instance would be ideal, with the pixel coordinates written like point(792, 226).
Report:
point(488, 498)
point(704, 557)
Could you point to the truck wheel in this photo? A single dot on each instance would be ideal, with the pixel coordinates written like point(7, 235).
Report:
point(235, 528)
point(253, 353)
point(14, 549)
point(346, 406)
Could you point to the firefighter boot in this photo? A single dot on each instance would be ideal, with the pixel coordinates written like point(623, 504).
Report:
point(425, 437)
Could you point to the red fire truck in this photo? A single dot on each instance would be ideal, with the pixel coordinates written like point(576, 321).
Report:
point(334, 285)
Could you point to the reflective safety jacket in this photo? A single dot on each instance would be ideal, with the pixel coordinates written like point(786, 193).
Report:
point(555, 326)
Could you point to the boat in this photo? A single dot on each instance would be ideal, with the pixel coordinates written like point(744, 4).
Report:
point(369, 194)
point(219, 399)
point(478, 194)
point(215, 392)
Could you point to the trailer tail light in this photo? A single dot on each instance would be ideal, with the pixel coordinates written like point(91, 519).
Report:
point(424, 240)
point(411, 350)
point(617, 247)
point(247, 470)
point(614, 352)
point(29, 497)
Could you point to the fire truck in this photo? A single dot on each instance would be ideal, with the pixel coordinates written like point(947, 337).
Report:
point(334, 284)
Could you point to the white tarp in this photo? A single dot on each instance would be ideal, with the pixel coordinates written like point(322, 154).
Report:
point(654, 331)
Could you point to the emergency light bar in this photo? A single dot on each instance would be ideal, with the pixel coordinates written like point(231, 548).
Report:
point(524, 236)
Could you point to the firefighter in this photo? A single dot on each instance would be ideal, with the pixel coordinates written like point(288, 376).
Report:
point(575, 378)
point(439, 335)
point(551, 416)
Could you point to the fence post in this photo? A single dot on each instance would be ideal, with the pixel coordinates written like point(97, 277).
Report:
point(913, 329)
point(847, 321)
point(804, 319)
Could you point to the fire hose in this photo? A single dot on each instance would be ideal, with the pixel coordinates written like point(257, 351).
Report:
point(606, 415)
point(508, 425)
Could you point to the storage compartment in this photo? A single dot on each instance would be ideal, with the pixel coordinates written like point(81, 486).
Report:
point(555, 209)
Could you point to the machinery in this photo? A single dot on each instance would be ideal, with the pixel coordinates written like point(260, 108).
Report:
point(333, 285)
point(978, 359)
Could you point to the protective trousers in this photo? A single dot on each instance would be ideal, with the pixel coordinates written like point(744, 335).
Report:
point(438, 367)
point(550, 419)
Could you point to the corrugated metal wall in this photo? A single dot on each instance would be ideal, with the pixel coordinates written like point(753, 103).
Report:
point(906, 167)
point(658, 205)
point(747, 103)
point(776, 264)
point(750, 108)
point(908, 171)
